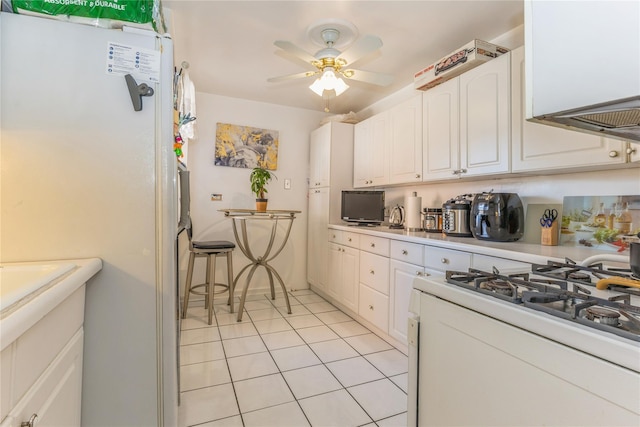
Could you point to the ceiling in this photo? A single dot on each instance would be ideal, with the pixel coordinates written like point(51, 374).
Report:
point(230, 51)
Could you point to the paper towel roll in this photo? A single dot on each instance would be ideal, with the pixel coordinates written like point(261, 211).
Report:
point(413, 206)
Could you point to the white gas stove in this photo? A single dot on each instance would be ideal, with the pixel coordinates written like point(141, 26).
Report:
point(547, 345)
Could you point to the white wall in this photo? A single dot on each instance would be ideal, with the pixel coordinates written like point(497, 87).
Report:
point(294, 126)
point(549, 189)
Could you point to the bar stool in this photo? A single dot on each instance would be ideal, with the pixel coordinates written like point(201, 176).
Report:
point(212, 250)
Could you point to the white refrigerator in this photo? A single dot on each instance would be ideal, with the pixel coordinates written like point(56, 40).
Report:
point(84, 175)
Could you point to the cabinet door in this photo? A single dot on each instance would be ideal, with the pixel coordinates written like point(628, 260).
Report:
point(485, 118)
point(406, 142)
point(440, 131)
point(371, 147)
point(317, 236)
point(380, 136)
point(56, 396)
point(539, 147)
point(350, 271)
point(334, 276)
point(362, 153)
point(401, 277)
point(319, 157)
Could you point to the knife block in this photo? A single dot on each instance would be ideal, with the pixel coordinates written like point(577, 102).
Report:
point(549, 235)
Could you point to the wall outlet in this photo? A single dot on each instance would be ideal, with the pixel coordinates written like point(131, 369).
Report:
point(216, 197)
point(287, 184)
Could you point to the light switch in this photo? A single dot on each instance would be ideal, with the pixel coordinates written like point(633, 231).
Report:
point(287, 184)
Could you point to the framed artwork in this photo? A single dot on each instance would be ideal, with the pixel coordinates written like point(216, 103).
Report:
point(246, 147)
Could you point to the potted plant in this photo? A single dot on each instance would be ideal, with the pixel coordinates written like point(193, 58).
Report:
point(259, 178)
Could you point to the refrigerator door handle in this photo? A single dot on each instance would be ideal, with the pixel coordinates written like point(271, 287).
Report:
point(137, 91)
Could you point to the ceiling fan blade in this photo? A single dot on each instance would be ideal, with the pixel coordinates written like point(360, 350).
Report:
point(292, 76)
point(378, 79)
point(360, 48)
point(295, 50)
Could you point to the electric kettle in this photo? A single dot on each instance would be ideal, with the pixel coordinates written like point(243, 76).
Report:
point(396, 219)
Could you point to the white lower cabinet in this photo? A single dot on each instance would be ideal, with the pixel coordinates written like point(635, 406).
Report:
point(42, 369)
point(54, 399)
point(373, 306)
point(374, 271)
point(317, 236)
point(440, 259)
point(343, 275)
point(401, 275)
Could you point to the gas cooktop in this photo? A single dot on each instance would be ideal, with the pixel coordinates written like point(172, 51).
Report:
point(563, 290)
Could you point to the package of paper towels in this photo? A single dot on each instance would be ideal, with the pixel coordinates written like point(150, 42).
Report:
point(413, 206)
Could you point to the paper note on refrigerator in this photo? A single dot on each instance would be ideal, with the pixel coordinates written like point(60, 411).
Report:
point(142, 64)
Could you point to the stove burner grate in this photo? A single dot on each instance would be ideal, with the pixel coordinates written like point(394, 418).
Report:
point(615, 315)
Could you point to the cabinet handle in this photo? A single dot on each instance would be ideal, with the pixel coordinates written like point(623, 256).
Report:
point(630, 150)
point(373, 245)
point(419, 273)
point(404, 252)
point(444, 261)
point(370, 307)
point(372, 272)
point(349, 239)
point(417, 175)
point(31, 422)
point(613, 153)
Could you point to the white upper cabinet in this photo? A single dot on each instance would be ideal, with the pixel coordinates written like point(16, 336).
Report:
point(405, 154)
point(485, 105)
point(440, 130)
point(371, 148)
point(539, 147)
point(320, 156)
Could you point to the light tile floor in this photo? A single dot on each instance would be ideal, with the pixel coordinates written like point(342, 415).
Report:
point(314, 367)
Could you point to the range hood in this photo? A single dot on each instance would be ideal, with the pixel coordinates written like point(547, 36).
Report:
point(582, 62)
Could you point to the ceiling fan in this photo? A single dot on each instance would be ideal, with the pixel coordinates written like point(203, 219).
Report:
point(330, 64)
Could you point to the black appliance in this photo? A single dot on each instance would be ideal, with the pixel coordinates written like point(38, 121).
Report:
point(364, 208)
point(497, 216)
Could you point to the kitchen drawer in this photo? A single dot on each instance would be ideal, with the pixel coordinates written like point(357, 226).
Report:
point(374, 271)
point(407, 252)
point(446, 259)
point(505, 266)
point(335, 236)
point(374, 307)
point(377, 245)
point(351, 239)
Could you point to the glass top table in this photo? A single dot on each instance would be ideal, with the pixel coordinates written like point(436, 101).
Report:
point(239, 218)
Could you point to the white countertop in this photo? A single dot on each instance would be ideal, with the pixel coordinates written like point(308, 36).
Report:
point(20, 315)
point(520, 251)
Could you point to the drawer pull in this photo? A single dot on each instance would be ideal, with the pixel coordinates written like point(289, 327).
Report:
point(370, 307)
point(404, 252)
point(373, 245)
point(349, 239)
point(31, 422)
point(372, 272)
point(444, 261)
point(419, 273)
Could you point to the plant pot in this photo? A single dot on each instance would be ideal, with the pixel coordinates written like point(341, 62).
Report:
point(261, 205)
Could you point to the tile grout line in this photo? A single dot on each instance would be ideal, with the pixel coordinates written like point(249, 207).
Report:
point(308, 345)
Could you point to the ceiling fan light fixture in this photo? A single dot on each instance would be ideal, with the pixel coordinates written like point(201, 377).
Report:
point(328, 81)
